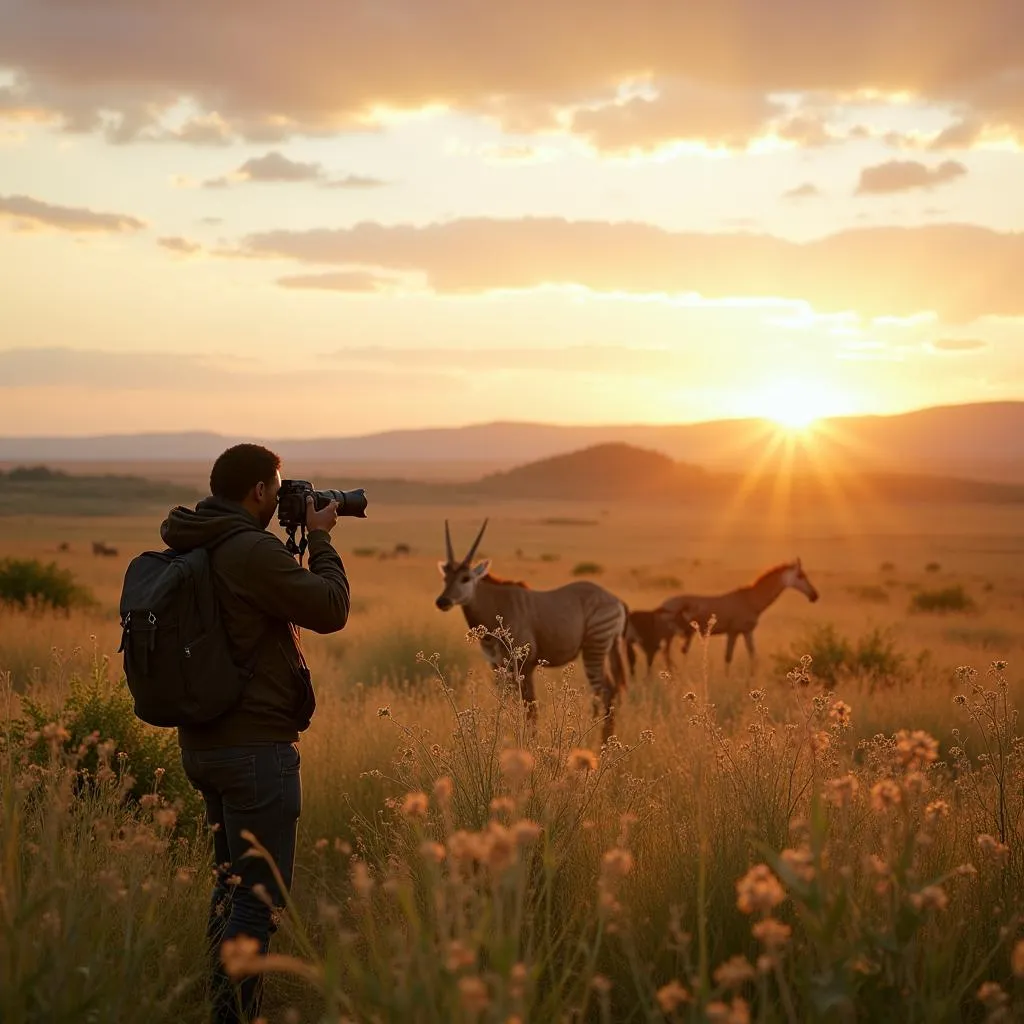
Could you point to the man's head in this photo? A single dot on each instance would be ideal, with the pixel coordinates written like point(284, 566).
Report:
point(250, 475)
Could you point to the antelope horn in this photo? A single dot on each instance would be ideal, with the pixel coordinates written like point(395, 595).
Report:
point(448, 544)
point(476, 543)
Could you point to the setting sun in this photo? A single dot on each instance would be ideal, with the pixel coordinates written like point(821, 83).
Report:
point(798, 403)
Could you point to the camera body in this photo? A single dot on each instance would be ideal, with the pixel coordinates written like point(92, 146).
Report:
point(291, 502)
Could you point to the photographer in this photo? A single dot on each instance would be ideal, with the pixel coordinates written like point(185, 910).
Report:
point(246, 761)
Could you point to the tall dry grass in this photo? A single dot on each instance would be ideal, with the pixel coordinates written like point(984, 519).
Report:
point(750, 846)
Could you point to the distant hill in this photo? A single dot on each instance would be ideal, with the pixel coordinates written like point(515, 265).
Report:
point(602, 472)
point(623, 473)
point(980, 441)
point(38, 490)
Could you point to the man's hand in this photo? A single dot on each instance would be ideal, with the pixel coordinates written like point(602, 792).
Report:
point(324, 519)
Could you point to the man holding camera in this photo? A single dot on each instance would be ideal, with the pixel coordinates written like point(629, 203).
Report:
point(246, 761)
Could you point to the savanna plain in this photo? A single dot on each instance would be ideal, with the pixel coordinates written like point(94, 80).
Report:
point(831, 833)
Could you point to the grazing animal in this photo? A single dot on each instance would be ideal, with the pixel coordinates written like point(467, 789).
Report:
point(401, 549)
point(558, 625)
point(737, 612)
point(652, 631)
point(63, 546)
point(100, 548)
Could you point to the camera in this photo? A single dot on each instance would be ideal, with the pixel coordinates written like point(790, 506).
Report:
point(291, 502)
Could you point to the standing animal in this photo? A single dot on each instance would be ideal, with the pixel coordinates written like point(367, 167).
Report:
point(736, 612)
point(558, 625)
point(652, 631)
point(100, 548)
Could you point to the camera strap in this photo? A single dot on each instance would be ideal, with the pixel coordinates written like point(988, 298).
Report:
point(299, 548)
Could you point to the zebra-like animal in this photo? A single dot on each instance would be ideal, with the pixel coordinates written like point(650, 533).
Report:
point(558, 625)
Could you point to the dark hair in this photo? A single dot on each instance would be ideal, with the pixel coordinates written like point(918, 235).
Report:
point(238, 470)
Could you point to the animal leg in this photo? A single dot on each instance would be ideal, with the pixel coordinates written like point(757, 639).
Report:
point(748, 639)
point(631, 657)
point(730, 646)
point(687, 639)
point(529, 696)
point(668, 655)
point(650, 652)
point(601, 686)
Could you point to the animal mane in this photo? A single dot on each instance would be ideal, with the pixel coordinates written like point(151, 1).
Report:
point(774, 570)
point(499, 582)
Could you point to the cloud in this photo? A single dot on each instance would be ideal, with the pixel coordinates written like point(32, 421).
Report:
point(179, 245)
point(605, 360)
point(958, 345)
point(681, 112)
point(958, 271)
point(129, 371)
point(903, 175)
point(314, 67)
point(275, 167)
point(344, 281)
point(808, 190)
point(34, 213)
point(355, 181)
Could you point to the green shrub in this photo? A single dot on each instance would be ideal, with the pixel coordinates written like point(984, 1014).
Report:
point(96, 710)
point(946, 599)
point(28, 584)
point(587, 569)
point(364, 552)
point(873, 658)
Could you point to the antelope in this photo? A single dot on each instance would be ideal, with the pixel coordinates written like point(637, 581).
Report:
point(737, 612)
point(99, 547)
point(652, 631)
point(557, 625)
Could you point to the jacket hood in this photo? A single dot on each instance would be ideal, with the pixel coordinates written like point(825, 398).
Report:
point(212, 520)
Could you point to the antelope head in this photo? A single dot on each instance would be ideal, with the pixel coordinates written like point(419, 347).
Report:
point(795, 577)
point(460, 577)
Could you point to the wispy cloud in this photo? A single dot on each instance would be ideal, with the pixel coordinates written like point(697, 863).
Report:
point(872, 271)
point(179, 245)
point(808, 190)
point(30, 214)
point(275, 167)
point(904, 175)
point(958, 345)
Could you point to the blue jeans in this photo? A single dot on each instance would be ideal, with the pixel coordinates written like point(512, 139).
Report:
point(255, 788)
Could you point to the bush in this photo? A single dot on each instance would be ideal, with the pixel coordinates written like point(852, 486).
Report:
point(550, 556)
point(947, 599)
point(97, 710)
point(587, 569)
point(933, 567)
point(834, 658)
point(887, 567)
point(364, 552)
point(28, 584)
point(390, 654)
point(872, 594)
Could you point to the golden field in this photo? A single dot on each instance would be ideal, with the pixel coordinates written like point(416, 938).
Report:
point(746, 848)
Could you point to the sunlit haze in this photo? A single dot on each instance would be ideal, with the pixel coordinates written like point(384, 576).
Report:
point(318, 219)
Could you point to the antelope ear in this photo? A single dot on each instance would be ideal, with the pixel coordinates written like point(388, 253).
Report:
point(442, 568)
point(480, 569)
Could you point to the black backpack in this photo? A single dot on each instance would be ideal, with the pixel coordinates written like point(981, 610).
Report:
point(177, 660)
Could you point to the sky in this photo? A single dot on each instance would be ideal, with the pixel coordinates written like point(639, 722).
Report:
point(332, 218)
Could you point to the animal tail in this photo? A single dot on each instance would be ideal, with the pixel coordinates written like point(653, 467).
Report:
point(615, 655)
